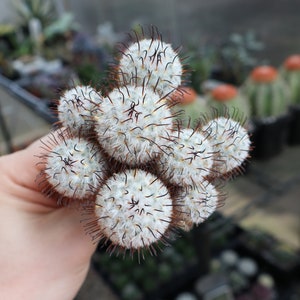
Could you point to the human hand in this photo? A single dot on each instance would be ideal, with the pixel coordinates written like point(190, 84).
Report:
point(44, 251)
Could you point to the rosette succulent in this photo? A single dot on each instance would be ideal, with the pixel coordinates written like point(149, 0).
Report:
point(128, 162)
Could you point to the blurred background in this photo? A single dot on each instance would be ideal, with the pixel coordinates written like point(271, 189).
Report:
point(241, 55)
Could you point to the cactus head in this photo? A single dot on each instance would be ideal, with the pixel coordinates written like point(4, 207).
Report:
point(76, 108)
point(133, 124)
point(134, 209)
point(74, 168)
point(153, 62)
point(188, 159)
point(198, 202)
point(231, 145)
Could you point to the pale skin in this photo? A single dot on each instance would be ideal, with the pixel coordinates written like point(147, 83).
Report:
point(44, 250)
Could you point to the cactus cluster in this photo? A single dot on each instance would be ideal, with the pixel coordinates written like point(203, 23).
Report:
point(127, 161)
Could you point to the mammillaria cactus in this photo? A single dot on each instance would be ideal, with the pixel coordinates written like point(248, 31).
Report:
point(134, 209)
point(130, 164)
point(133, 125)
point(230, 142)
point(77, 106)
point(74, 167)
point(151, 61)
point(189, 157)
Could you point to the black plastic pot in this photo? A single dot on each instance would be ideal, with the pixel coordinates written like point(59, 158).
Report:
point(294, 128)
point(269, 136)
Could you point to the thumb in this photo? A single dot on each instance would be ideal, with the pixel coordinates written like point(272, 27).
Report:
point(19, 170)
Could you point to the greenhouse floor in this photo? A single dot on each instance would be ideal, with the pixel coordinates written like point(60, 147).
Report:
point(20, 124)
point(267, 196)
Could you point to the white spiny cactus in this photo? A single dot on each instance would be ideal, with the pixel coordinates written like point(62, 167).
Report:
point(134, 209)
point(77, 106)
point(132, 124)
point(74, 167)
point(199, 202)
point(153, 62)
point(188, 159)
point(230, 142)
point(139, 172)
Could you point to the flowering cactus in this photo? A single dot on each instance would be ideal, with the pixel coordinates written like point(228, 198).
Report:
point(127, 160)
point(290, 71)
point(188, 105)
point(227, 99)
point(267, 92)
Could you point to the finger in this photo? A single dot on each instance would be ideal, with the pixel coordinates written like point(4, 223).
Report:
point(23, 166)
point(21, 169)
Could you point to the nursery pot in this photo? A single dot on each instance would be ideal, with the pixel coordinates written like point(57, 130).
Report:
point(269, 136)
point(294, 127)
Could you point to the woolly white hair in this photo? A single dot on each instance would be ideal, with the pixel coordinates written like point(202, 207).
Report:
point(75, 168)
point(189, 159)
point(199, 202)
point(153, 62)
point(76, 107)
point(132, 124)
point(230, 141)
point(133, 209)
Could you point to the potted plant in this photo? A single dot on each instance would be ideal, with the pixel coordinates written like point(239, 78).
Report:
point(235, 57)
point(187, 105)
point(226, 99)
point(268, 97)
point(290, 71)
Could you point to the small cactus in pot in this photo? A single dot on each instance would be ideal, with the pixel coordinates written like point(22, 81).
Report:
point(267, 92)
point(290, 71)
point(268, 97)
point(227, 99)
point(188, 105)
